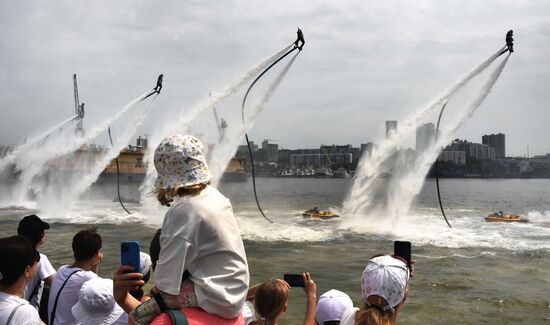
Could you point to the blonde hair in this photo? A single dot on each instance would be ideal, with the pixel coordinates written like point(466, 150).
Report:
point(270, 301)
point(373, 311)
point(166, 195)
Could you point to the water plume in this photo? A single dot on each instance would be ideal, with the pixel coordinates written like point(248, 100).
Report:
point(409, 171)
point(172, 125)
point(223, 152)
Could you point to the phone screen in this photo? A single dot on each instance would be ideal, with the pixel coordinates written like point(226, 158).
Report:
point(294, 280)
point(129, 254)
point(403, 249)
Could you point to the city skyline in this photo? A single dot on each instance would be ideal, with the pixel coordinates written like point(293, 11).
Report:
point(362, 64)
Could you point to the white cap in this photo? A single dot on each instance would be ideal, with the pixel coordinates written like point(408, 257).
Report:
point(331, 306)
point(96, 303)
point(386, 277)
point(144, 263)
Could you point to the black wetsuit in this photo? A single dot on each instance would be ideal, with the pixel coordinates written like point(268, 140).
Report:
point(159, 84)
point(510, 41)
point(300, 39)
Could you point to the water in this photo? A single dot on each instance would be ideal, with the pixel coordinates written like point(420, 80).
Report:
point(477, 272)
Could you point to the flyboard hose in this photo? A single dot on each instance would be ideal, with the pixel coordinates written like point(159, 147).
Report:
point(437, 166)
point(155, 90)
point(509, 48)
point(300, 38)
point(117, 175)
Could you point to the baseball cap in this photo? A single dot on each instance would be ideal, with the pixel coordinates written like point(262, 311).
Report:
point(386, 277)
point(331, 306)
point(32, 227)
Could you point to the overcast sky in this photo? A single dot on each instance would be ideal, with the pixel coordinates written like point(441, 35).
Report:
point(364, 62)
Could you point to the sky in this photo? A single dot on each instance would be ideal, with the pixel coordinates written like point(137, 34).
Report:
point(364, 62)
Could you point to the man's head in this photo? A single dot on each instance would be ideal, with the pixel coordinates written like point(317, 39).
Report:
point(86, 244)
point(18, 258)
point(33, 228)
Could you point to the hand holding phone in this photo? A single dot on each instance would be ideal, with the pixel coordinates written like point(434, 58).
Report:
point(403, 250)
point(294, 280)
point(129, 254)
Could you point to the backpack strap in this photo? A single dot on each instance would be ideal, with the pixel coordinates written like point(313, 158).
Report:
point(177, 317)
point(52, 316)
point(13, 313)
point(35, 290)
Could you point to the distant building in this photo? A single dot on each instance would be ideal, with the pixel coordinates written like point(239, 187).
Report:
point(337, 156)
point(391, 128)
point(271, 151)
point(472, 151)
point(244, 148)
point(305, 157)
point(425, 137)
point(457, 157)
point(496, 141)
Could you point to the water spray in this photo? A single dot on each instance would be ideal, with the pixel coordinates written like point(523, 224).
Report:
point(298, 45)
point(156, 91)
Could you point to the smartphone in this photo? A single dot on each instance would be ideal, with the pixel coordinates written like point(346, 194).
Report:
point(129, 254)
point(294, 280)
point(403, 249)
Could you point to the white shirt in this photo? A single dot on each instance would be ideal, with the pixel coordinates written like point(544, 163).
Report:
point(69, 296)
point(348, 317)
point(249, 314)
point(200, 234)
point(45, 270)
point(24, 315)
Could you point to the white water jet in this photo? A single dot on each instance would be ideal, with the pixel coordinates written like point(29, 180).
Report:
point(74, 189)
point(406, 182)
point(172, 125)
point(222, 154)
point(32, 163)
point(11, 157)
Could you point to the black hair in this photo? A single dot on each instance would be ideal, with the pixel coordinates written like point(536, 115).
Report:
point(86, 243)
point(154, 249)
point(16, 253)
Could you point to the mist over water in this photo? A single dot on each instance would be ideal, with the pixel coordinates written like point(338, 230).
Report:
point(383, 203)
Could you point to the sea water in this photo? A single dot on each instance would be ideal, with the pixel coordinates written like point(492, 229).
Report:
point(476, 272)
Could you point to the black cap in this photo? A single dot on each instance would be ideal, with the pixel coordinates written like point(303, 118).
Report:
point(32, 227)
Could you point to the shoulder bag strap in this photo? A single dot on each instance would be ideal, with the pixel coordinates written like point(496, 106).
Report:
point(13, 313)
point(177, 317)
point(52, 316)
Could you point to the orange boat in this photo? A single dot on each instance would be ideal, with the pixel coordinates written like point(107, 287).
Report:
point(505, 217)
point(319, 214)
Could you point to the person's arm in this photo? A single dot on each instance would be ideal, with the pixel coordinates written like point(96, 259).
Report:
point(252, 292)
point(310, 288)
point(48, 280)
point(123, 282)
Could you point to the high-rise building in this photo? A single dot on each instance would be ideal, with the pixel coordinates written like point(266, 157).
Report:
point(425, 136)
point(391, 128)
point(496, 141)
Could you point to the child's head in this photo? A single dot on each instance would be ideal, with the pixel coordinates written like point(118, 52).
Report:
point(18, 257)
point(270, 300)
point(384, 289)
point(181, 167)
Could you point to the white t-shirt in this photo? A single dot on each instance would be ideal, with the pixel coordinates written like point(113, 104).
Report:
point(45, 270)
point(24, 315)
point(200, 234)
point(69, 296)
point(348, 317)
point(249, 314)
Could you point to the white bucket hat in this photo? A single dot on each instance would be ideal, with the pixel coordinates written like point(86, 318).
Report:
point(331, 306)
point(386, 277)
point(180, 161)
point(96, 303)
